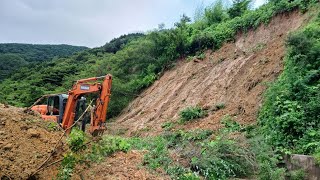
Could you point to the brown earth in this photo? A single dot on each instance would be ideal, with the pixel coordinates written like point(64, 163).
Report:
point(119, 166)
point(25, 142)
point(235, 75)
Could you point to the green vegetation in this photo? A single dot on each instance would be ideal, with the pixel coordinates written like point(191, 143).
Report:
point(76, 140)
point(230, 123)
point(291, 111)
point(107, 146)
point(212, 155)
point(191, 113)
point(137, 60)
point(68, 163)
point(13, 55)
point(288, 120)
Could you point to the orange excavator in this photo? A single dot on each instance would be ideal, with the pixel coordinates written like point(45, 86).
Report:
point(65, 108)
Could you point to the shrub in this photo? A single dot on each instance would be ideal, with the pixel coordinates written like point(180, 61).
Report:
point(67, 166)
point(230, 124)
point(224, 158)
point(290, 113)
point(158, 155)
point(191, 113)
point(316, 156)
point(76, 140)
point(297, 174)
point(181, 173)
point(107, 146)
point(180, 138)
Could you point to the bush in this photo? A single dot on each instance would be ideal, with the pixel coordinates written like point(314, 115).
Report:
point(316, 156)
point(67, 166)
point(230, 124)
point(76, 140)
point(291, 109)
point(181, 138)
point(158, 155)
point(107, 146)
point(191, 113)
point(224, 158)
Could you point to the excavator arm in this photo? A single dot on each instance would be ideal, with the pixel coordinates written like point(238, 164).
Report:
point(88, 86)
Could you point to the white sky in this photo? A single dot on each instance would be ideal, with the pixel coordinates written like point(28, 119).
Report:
point(89, 23)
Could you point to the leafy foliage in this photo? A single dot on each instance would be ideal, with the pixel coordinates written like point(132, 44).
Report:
point(117, 44)
point(291, 110)
point(107, 146)
point(136, 60)
point(76, 140)
point(191, 113)
point(238, 8)
point(13, 55)
point(223, 158)
point(67, 166)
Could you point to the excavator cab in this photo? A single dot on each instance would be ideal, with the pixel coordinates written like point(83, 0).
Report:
point(55, 106)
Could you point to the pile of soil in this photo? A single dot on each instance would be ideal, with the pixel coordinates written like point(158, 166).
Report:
point(25, 142)
point(235, 75)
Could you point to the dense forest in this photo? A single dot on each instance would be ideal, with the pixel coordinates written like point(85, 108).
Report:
point(14, 55)
point(289, 118)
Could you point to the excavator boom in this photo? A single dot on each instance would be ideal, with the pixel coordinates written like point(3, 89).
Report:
point(88, 86)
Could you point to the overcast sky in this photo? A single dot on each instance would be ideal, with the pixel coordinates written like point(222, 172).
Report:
point(89, 23)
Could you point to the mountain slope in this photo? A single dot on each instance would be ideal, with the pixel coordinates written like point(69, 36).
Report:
point(236, 75)
point(15, 55)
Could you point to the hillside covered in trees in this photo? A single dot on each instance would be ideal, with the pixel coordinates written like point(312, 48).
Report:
point(15, 55)
point(287, 121)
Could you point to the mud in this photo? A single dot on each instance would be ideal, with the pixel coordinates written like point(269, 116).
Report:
point(120, 166)
point(236, 75)
point(25, 142)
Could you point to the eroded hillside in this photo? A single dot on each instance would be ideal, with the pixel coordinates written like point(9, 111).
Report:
point(236, 75)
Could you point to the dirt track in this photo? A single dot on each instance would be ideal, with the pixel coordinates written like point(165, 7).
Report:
point(236, 75)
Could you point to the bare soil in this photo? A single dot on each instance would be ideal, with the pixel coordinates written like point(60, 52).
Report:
point(236, 75)
point(25, 142)
point(119, 166)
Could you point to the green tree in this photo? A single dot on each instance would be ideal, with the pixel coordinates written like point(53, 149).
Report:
point(238, 8)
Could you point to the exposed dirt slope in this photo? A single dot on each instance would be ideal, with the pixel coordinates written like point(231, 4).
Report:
point(25, 143)
point(235, 75)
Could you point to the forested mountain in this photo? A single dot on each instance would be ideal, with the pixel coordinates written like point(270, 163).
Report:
point(289, 118)
point(15, 55)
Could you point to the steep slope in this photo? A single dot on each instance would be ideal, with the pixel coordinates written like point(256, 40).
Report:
point(235, 75)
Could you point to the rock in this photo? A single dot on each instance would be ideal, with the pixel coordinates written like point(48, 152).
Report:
point(33, 133)
point(9, 146)
point(2, 132)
